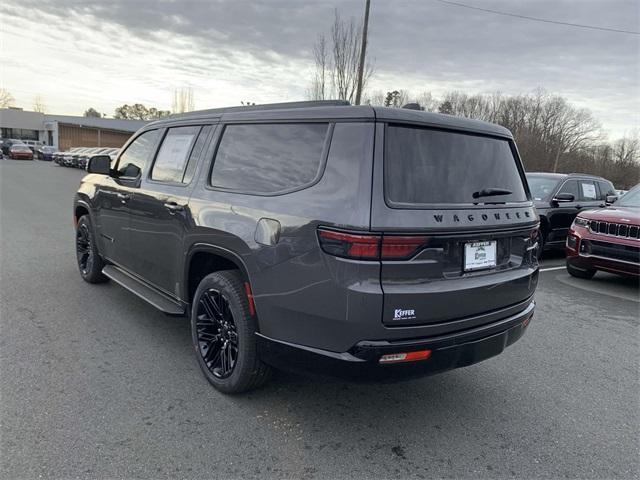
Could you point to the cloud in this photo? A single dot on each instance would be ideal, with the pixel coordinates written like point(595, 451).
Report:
point(261, 50)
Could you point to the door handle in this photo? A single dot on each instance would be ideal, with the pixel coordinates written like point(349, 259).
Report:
point(124, 197)
point(174, 207)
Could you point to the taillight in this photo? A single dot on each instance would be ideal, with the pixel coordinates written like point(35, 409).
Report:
point(350, 245)
point(370, 246)
point(401, 247)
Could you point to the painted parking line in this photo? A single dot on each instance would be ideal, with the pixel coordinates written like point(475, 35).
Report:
point(552, 268)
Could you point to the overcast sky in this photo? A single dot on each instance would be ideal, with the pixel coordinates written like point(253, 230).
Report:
point(79, 54)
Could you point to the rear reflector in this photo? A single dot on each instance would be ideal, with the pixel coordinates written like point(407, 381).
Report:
point(405, 357)
point(252, 305)
point(370, 246)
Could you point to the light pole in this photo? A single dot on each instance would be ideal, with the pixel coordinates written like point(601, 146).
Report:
point(363, 51)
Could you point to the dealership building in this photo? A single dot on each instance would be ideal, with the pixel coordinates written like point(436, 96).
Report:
point(64, 131)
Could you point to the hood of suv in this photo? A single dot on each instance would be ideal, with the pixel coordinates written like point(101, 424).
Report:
point(614, 214)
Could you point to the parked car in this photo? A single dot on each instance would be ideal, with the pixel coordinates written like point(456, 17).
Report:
point(86, 154)
point(7, 143)
point(606, 239)
point(70, 158)
point(33, 144)
point(45, 152)
point(620, 193)
point(559, 197)
point(58, 157)
point(360, 241)
point(19, 151)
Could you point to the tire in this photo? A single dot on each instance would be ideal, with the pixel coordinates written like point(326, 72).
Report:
point(580, 273)
point(223, 334)
point(90, 263)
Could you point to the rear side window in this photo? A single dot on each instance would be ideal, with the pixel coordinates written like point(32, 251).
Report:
point(426, 166)
point(172, 156)
point(606, 188)
point(269, 158)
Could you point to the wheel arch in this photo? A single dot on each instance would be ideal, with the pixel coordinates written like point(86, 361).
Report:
point(80, 208)
point(203, 259)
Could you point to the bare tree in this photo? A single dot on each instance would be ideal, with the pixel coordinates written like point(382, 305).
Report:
point(183, 100)
point(38, 104)
point(318, 89)
point(376, 98)
point(427, 101)
point(569, 128)
point(6, 99)
point(337, 60)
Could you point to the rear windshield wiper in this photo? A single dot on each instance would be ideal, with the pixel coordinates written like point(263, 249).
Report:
point(489, 192)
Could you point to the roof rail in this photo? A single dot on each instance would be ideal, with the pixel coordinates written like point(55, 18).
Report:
point(583, 175)
point(264, 106)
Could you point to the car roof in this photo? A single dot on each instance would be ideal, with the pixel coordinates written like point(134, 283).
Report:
point(564, 175)
point(328, 110)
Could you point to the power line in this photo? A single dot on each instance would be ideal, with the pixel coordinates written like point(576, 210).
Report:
point(544, 20)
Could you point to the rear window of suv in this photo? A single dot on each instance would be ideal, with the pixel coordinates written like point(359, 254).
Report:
point(427, 166)
point(268, 159)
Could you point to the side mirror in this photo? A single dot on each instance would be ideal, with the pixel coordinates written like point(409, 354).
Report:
point(100, 164)
point(564, 197)
point(611, 199)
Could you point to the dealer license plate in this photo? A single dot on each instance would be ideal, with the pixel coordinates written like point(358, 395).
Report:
point(479, 255)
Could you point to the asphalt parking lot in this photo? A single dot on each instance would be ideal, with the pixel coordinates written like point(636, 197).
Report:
point(95, 383)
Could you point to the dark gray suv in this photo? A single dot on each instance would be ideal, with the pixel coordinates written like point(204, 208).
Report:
point(318, 236)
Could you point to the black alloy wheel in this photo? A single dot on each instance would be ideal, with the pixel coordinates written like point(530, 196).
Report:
point(90, 263)
point(223, 333)
point(217, 335)
point(83, 249)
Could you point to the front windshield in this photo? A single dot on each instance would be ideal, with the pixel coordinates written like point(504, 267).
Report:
point(542, 187)
point(631, 198)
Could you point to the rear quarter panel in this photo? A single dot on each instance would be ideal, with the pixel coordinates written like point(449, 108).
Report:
point(298, 291)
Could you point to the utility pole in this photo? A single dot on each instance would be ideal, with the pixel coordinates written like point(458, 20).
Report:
point(363, 51)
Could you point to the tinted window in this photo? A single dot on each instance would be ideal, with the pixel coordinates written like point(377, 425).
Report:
point(425, 166)
point(542, 187)
point(606, 188)
point(133, 159)
point(269, 158)
point(196, 152)
point(588, 190)
point(571, 186)
point(173, 154)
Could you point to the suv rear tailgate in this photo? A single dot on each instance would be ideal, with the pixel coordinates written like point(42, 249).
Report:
point(430, 188)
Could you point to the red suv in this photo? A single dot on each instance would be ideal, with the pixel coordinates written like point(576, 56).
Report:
point(606, 239)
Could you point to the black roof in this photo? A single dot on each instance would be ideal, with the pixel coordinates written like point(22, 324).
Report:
point(333, 109)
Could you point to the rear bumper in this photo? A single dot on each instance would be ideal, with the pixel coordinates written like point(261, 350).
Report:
point(361, 362)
